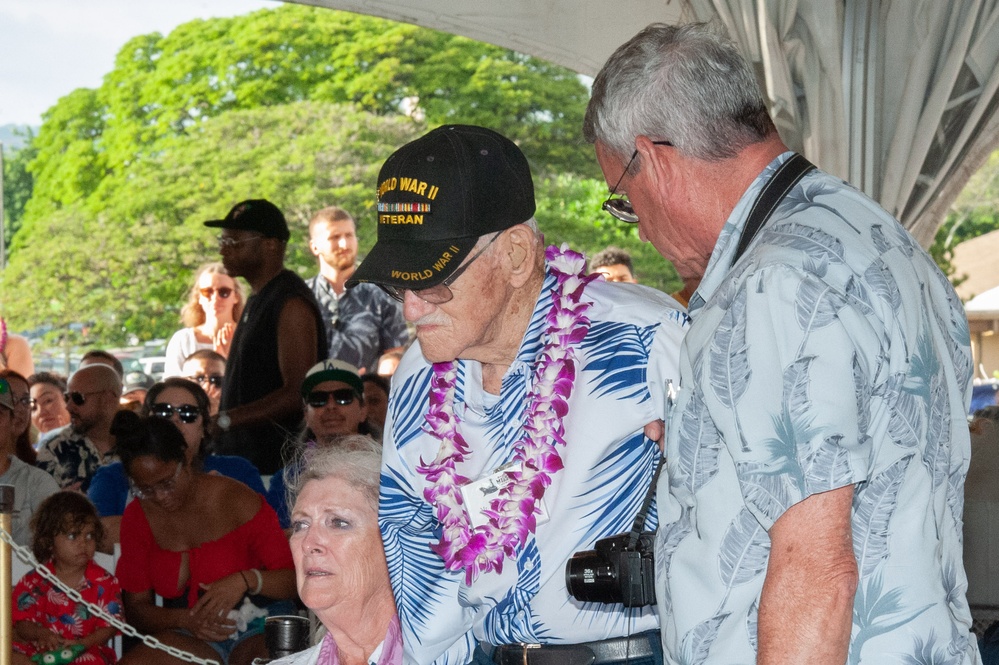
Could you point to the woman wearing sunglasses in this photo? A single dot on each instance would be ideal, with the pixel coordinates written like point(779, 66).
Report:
point(208, 545)
point(213, 308)
point(184, 403)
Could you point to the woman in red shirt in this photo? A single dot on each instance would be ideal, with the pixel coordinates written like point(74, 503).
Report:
point(209, 545)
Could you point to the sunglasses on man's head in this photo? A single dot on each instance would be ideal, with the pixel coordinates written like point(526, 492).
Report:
point(207, 293)
point(319, 398)
point(211, 379)
point(188, 413)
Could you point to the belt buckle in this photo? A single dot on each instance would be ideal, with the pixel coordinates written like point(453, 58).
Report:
point(525, 647)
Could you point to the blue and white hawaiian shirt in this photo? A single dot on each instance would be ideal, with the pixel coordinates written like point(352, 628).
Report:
point(625, 361)
point(833, 353)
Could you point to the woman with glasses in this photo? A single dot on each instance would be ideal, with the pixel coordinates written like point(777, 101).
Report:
point(208, 545)
point(213, 308)
point(22, 415)
point(185, 404)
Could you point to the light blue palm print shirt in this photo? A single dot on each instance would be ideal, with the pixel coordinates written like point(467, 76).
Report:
point(833, 353)
point(629, 353)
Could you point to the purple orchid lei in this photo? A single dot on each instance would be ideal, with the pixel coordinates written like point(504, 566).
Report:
point(513, 514)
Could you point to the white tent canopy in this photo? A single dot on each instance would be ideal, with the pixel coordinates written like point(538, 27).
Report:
point(899, 97)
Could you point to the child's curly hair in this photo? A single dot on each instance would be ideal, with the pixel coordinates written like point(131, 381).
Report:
point(63, 512)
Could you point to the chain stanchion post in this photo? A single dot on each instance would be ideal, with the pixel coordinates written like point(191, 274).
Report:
point(6, 591)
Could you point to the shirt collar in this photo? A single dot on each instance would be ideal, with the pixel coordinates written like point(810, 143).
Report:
point(728, 240)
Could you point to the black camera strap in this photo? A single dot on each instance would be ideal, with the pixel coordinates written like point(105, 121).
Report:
point(639, 525)
point(780, 185)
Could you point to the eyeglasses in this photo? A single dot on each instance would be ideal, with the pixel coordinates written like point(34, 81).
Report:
point(211, 379)
point(317, 399)
point(208, 292)
point(225, 242)
point(79, 398)
point(621, 208)
point(188, 413)
point(440, 293)
point(162, 487)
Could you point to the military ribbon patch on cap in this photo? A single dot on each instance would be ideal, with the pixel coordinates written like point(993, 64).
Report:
point(403, 207)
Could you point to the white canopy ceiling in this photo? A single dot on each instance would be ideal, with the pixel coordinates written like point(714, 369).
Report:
point(899, 97)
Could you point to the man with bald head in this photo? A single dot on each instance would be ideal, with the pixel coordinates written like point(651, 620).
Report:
point(74, 454)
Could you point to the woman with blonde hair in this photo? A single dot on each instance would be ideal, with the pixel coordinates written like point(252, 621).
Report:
point(213, 308)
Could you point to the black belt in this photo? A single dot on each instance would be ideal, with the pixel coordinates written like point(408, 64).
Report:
point(612, 650)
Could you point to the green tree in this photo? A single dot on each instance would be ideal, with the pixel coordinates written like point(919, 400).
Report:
point(127, 268)
point(299, 105)
point(69, 164)
point(167, 86)
point(569, 210)
point(974, 213)
point(17, 185)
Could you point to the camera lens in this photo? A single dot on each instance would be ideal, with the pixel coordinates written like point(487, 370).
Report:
point(589, 577)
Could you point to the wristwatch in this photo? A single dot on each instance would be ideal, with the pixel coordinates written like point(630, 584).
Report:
point(223, 421)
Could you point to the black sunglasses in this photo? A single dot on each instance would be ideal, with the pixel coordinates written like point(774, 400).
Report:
point(188, 413)
point(212, 379)
point(207, 293)
point(621, 208)
point(319, 398)
point(79, 398)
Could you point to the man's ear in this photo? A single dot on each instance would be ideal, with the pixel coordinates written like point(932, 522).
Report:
point(521, 250)
point(312, 247)
point(655, 158)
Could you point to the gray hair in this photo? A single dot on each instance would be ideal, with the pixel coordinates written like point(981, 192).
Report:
point(684, 84)
point(355, 459)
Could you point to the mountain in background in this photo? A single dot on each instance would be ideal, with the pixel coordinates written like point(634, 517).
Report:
point(12, 135)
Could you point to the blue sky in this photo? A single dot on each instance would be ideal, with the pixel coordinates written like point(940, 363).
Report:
point(48, 48)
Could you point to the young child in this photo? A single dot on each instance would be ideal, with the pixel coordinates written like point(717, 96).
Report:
point(65, 532)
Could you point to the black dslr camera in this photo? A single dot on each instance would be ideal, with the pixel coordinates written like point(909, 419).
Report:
point(619, 569)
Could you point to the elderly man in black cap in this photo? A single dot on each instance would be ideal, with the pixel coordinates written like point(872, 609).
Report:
point(276, 342)
point(515, 431)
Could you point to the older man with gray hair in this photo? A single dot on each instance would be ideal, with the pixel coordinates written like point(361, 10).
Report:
point(818, 449)
point(77, 450)
point(515, 429)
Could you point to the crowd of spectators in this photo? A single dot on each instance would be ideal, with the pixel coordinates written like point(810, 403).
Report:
point(198, 529)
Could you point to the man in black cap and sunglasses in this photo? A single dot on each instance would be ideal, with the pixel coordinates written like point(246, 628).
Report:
point(279, 337)
point(73, 454)
point(515, 429)
point(334, 408)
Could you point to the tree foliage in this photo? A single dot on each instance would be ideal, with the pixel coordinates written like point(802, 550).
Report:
point(974, 213)
point(167, 86)
point(17, 185)
point(126, 268)
point(296, 104)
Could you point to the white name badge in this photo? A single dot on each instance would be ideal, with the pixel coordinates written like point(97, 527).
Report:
point(477, 494)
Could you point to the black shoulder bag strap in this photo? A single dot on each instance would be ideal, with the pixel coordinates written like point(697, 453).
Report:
point(783, 181)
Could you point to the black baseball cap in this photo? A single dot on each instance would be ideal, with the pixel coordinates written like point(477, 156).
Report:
point(258, 215)
point(436, 196)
